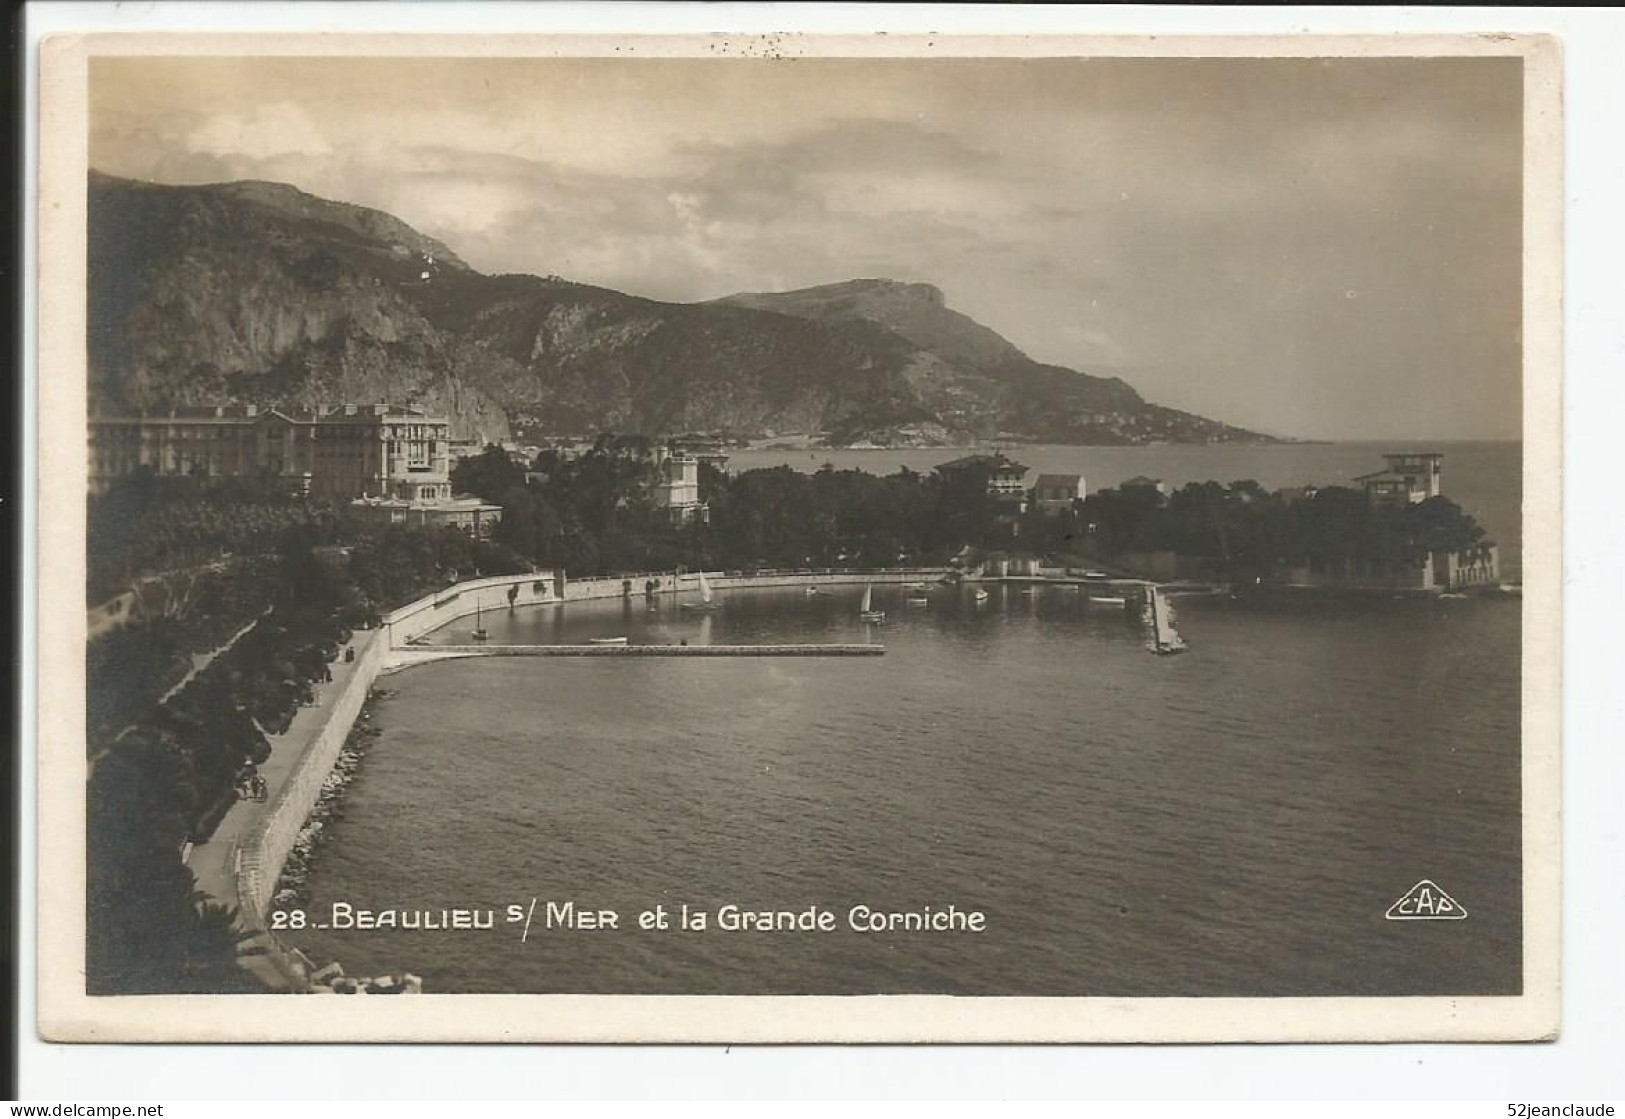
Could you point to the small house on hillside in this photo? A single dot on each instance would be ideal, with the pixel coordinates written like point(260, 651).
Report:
point(1055, 493)
point(678, 491)
point(1405, 479)
point(1004, 475)
point(1142, 482)
point(1004, 483)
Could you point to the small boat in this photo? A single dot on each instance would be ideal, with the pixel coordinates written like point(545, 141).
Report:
point(606, 641)
point(867, 610)
point(811, 591)
point(918, 600)
point(707, 599)
point(479, 633)
point(979, 595)
point(1452, 594)
point(914, 586)
point(1029, 590)
point(1108, 600)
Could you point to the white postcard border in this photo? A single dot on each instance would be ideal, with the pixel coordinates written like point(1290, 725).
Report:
point(66, 1014)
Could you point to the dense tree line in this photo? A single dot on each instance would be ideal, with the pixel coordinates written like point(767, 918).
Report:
point(148, 928)
point(147, 523)
point(173, 617)
point(395, 565)
point(1245, 532)
point(593, 514)
point(170, 774)
point(166, 773)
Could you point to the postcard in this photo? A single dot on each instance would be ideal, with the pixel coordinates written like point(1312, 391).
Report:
point(805, 538)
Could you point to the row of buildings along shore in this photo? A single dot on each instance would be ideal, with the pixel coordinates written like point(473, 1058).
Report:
point(390, 462)
point(394, 463)
point(1407, 478)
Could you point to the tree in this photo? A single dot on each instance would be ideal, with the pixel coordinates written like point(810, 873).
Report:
point(141, 903)
point(1438, 525)
point(209, 948)
point(520, 525)
point(965, 512)
point(1337, 524)
point(487, 475)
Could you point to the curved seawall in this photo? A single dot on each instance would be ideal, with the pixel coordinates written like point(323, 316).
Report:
point(257, 858)
point(261, 853)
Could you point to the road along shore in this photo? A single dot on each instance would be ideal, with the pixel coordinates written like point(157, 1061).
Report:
point(241, 862)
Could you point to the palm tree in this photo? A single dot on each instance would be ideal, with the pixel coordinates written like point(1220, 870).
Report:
point(210, 949)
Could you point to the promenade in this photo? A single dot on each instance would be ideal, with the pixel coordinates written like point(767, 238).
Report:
point(241, 861)
point(215, 864)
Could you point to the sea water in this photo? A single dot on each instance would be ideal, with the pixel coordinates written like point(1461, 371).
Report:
point(1237, 820)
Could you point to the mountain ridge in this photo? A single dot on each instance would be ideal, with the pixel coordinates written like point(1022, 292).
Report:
point(258, 292)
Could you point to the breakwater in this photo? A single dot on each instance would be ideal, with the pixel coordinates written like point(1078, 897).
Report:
point(253, 862)
point(1163, 639)
point(425, 654)
point(829, 578)
point(688, 582)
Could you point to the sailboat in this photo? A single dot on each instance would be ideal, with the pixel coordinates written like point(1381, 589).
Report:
point(479, 629)
point(867, 611)
point(707, 599)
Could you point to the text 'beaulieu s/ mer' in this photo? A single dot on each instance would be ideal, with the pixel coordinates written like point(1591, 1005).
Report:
point(568, 916)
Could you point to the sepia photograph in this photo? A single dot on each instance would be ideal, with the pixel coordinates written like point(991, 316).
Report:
point(786, 539)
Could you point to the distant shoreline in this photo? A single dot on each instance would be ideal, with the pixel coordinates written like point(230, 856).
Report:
point(810, 443)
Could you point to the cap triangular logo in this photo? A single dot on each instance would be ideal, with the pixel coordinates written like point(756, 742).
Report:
point(1426, 902)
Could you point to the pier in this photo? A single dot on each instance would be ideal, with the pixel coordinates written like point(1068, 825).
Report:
point(406, 656)
point(1164, 638)
point(243, 859)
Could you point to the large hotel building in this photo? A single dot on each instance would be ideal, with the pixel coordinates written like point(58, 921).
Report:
point(391, 462)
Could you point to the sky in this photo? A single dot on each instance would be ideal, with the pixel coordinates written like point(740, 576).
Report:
point(1314, 248)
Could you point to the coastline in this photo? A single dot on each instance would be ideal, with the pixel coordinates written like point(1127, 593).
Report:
point(548, 797)
point(243, 860)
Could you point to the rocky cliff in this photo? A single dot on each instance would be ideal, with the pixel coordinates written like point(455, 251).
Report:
point(257, 292)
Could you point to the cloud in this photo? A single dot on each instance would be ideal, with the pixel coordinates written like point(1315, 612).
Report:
point(278, 128)
point(1197, 221)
